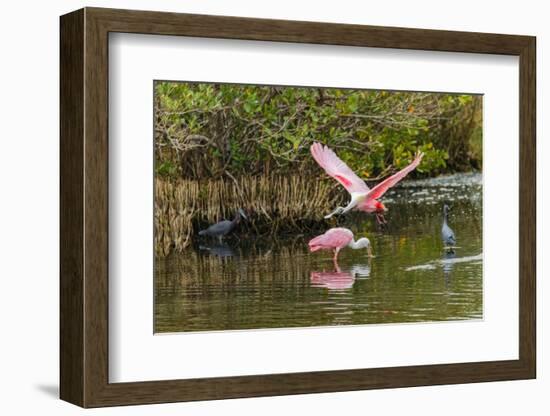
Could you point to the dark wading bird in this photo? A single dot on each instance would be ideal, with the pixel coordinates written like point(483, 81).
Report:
point(222, 228)
point(447, 235)
point(362, 197)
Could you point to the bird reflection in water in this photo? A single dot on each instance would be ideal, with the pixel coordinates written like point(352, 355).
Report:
point(448, 263)
point(338, 279)
point(360, 271)
point(218, 249)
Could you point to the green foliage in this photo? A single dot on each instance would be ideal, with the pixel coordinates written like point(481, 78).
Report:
point(212, 130)
point(166, 168)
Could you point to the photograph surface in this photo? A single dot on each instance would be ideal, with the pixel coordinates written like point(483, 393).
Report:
point(282, 207)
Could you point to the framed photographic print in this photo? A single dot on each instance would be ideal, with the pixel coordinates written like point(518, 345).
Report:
point(256, 207)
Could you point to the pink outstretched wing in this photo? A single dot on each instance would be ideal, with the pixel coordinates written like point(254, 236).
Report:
point(336, 168)
point(386, 184)
point(333, 238)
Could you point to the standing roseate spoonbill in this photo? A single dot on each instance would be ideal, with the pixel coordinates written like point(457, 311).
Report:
point(447, 234)
point(222, 228)
point(336, 239)
point(362, 197)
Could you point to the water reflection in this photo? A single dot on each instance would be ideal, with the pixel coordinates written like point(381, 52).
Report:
point(448, 266)
point(335, 280)
point(218, 249)
point(339, 279)
point(274, 283)
point(447, 262)
point(361, 271)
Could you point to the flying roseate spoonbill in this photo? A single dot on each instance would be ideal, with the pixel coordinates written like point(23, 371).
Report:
point(336, 239)
point(447, 235)
point(222, 228)
point(362, 197)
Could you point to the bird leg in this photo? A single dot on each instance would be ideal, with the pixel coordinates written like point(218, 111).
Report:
point(335, 258)
point(381, 220)
point(450, 249)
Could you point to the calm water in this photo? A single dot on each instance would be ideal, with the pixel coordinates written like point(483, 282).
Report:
point(277, 283)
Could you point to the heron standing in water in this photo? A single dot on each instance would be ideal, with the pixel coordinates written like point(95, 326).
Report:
point(447, 234)
point(336, 239)
point(222, 228)
point(362, 197)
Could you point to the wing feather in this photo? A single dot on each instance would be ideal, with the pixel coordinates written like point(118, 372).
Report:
point(337, 169)
point(386, 184)
point(335, 237)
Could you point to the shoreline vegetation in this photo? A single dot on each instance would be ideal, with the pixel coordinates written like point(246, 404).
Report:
point(220, 147)
point(274, 204)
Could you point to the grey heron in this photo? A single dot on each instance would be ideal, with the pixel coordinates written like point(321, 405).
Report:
point(447, 234)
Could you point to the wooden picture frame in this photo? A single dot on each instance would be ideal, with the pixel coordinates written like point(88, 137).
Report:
point(84, 207)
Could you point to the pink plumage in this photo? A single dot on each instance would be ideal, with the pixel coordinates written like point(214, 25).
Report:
point(336, 168)
point(336, 280)
point(333, 239)
point(387, 183)
point(362, 198)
